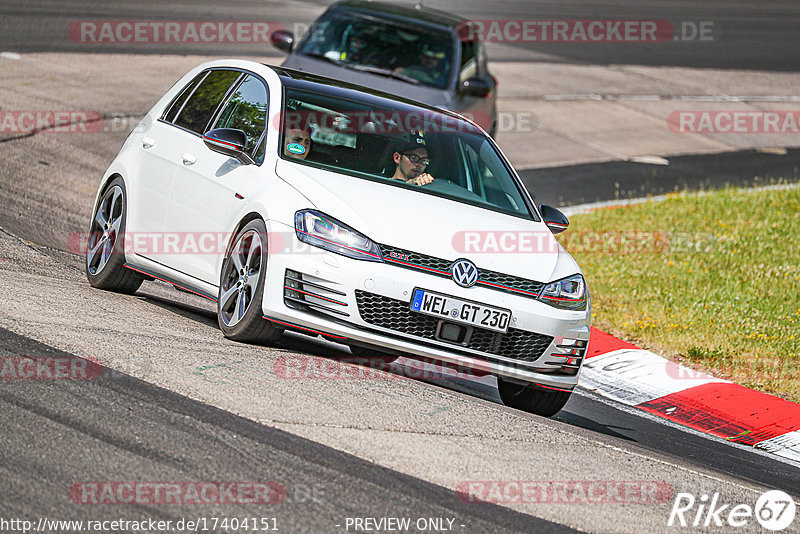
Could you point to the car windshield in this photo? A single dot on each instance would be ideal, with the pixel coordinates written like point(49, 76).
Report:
point(415, 54)
point(404, 146)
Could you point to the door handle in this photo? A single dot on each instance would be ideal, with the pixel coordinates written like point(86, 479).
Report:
point(148, 142)
point(189, 159)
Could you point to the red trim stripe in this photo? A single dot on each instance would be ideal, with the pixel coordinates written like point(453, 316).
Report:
point(221, 142)
point(303, 328)
point(417, 266)
point(315, 296)
point(508, 288)
point(167, 281)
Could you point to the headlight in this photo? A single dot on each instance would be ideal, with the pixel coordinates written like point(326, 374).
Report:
point(322, 231)
point(568, 294)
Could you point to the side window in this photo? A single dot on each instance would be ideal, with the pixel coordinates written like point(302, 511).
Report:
point(204, 101)
point(484, 183)
point(246, 110)
point(469, 63)
point(177, 105)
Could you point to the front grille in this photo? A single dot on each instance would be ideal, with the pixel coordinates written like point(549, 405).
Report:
point(395, 315)
point(440, 267)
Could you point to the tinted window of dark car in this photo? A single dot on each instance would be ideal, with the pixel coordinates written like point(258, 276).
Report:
point(205, 100)
point(416, 53)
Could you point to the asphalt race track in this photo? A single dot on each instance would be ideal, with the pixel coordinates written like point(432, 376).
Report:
point(176, 402)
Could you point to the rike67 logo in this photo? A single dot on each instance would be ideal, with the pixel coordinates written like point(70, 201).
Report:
point(774, 510)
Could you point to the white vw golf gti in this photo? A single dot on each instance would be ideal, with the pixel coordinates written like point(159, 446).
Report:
point(302, 203)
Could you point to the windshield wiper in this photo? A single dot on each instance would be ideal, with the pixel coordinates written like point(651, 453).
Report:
point(335, 61)
point(365, 68)
point(382, 72)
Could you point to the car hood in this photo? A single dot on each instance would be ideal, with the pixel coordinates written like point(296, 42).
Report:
point(432, 225)
point(420, 93)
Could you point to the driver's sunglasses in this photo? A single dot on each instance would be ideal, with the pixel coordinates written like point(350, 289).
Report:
point(413, 158)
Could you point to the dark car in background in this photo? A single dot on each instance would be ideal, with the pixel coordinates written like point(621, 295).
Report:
point(416, 52)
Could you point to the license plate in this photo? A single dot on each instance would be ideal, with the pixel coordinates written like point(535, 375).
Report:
point(460, 311)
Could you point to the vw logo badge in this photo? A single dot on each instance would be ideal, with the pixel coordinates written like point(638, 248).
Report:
point(464, 273)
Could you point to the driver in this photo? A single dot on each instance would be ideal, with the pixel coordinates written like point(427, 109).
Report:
point(411, 160)
point(358, 49)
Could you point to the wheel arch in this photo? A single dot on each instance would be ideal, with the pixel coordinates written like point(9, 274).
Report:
point(104, 186)
point(248, 217)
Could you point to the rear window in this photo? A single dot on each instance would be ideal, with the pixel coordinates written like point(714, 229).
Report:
point(204, 101)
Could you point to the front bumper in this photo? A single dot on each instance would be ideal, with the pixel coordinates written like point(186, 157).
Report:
point(346, 283)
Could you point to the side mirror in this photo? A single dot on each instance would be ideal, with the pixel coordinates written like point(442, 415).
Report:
point(282, 40)
point(230, 142)
point(477, 87)
point(556, 221)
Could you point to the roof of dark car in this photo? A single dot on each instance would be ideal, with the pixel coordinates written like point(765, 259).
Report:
point(407, 11)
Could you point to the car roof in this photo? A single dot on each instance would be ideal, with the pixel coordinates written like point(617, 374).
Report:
point(313, 82)
point(416, 12)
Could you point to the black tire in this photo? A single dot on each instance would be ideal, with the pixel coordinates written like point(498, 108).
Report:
point(368, 353)
point(250, 326)
point(530, 398)
point(105, 248)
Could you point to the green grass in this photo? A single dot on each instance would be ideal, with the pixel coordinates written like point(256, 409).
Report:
point(711, 280)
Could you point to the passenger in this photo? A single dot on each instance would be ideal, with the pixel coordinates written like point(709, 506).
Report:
point(429, 69)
